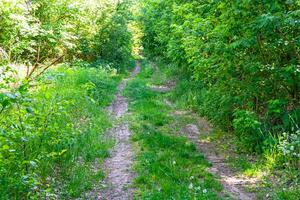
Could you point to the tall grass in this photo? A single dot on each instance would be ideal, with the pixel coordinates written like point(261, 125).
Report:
point(52, 134)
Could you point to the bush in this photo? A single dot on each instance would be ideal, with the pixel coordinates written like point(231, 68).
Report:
point(289, 149)
point(247, 129)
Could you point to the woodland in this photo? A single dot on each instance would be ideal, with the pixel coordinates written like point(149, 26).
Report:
point(149, 99)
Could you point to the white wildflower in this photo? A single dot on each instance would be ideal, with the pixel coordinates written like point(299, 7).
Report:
point(284, 134)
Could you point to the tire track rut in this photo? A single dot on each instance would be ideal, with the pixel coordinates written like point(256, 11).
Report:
point(118, 167)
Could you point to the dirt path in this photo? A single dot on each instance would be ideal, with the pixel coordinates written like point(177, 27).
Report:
point(233, 183)
point(118, 166)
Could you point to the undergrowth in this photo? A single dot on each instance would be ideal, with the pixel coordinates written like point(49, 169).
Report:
point(53, 134)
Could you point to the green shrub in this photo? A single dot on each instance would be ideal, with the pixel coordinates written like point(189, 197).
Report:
point(289, 149)
point(49, 132)
point(247, 129)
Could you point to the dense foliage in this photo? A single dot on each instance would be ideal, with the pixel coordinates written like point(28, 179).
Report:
point(42, 32)
point(52, 122)
point(50, 134)
point(239, 62)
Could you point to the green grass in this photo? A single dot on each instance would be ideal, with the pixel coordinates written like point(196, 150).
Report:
point(168, 165)
point(62, 136)
point(92, 90)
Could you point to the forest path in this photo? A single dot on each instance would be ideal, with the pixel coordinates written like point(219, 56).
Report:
point(118, 166)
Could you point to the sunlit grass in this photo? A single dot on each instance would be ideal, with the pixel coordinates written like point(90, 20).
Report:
point(64, 137)
point(168, 165)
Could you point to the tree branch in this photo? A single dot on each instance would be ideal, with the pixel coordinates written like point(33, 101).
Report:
point(48, 66)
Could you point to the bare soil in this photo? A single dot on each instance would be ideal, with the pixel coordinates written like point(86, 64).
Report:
point(119, 175)
point(161, 89)
point(233, 183)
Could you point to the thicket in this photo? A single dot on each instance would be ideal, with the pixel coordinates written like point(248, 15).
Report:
point(52, 122)
point(39, 33)
point(51, 135)
point(239, 63)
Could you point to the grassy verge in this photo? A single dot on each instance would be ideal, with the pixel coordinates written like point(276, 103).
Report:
point(275, 182)
point(168, 165)
point(52, 136)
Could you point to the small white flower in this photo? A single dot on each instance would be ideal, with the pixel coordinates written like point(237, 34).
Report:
point(284, 134)
point(198, 188)
point(204, 191)
point(192, 177)
point(292, 148)
point(174, 162)
point(191, 186)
